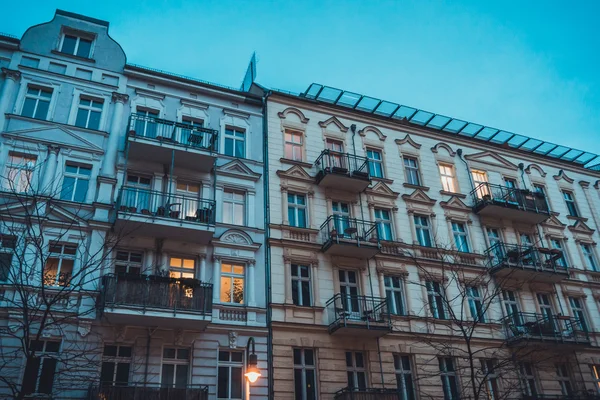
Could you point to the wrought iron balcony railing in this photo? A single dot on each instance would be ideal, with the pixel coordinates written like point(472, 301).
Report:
point(513, 255)
point(334, 162)
point(367, 312)
point(367, 394)
point(487, 193)
point(177, 133)
point(340, 229)
point(150, 292)
point(157, 204)
point(555, 328)
point(577, 395)
point(148, 391)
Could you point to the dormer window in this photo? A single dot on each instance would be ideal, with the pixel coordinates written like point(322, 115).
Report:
point(77, 44)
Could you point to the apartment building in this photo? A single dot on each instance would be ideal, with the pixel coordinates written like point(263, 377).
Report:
point(132, 234)
point(414, 255)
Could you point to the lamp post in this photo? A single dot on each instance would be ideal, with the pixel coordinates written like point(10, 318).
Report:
point(252, 371)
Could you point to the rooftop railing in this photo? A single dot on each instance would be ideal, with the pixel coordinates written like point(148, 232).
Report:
point(487, 193)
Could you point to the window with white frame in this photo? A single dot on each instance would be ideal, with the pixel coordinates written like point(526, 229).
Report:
point(495, 242)
point(199, 139)
point(305, 374)
point(394, 294)
point(136, 194)
point(480, 181)
point(37, 102)
point(570, 202)
point(19, 172)
point(146, 122)
point(541, 189)
point(564, 379)
point(596, 376)
point(528, 379)
point(40, 370)
point(294, 146)
point(411, 169)
point(77, 45)
point(558, 245)
point(511, 305)
point(76, 182)
point(461, 238)
point(235, 142)
point(8, 244)
point(422, 230)
point(588, 255)
point(355, 369)
point(435, 298)
point(232, 283)
point(578, 308)
point(128, 262)
point(116, 365)
point(180, 267)
point(175, 367)
point(404, 376)
point(230, 375)
point(449, 378)
point(488, 367)
point(89, 112)
point(476, 303)
point(59, 264)
point(375, 160)
point(301, 288)
point(297, 210)
point(384, 224)
point(234, 207)
point(545, 305)
point(448, 178)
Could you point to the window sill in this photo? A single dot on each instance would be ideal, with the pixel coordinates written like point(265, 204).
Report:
point(459, 195)
point(294, 162)
point(85, 59)
point(410, 185)
point(572, 218)
point(384, 180)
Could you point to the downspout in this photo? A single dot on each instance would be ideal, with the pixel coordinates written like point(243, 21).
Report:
point(522, 168)
point(460, 152)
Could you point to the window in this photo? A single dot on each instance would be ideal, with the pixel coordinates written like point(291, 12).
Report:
point(293, 145)
point(596, 376)
point(19, 172)
point(301, 291)
point(189, 207)
point(232, 283)
point(570, 202)
point(384, 224)
point(136, 196)
point(59, 264)
point(57, 68)
point(341, 219)
point(182, 267)
point(37, 102)
point(230, 374)
point(349, 291)
point(545, 306)
point(145, 123)
point(30, 62)
point(128, 262)
point(199, 138)
point(394, 294)
point(589, 256)
point(305, 374)
point(488, 367)
point(235, 142)
point(564, 380)
point(89, 113)
point(449, 378)
point(116, 364)
point(562, 260)
point(461, 240)
point(40, 370)
point(476, 307)
point(411, 168)
point(435, 297)
point(175, 367)
point(448, 179)
point(528, 379)
point(76, 46)
point(578, 308)
point(480, 182)
point(422, 230)
point(8, 243)
point(75, 183)
point(511, 305)
point(355, 369)
point(495, 242)
point(541, 190)
point(297, 210)
point(234, 207)
point(404, 377)
point(375, 163)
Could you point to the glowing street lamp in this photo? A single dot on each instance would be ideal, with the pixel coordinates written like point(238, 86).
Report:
point(252, 372)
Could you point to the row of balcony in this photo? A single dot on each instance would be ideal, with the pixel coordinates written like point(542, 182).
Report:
point(147, 392)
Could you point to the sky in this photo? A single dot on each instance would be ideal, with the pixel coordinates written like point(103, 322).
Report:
point(528, 67)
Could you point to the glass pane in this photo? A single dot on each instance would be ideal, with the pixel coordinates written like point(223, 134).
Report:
point(298, 389)
point(236, 382)
point(94, 122)
point(168, 372)
point(122, 373)
point(223, 382)
point(42, 109)
point(81, 190)
point(28, 107)
point(69, 44)
point(309, 357)
point(84, 48)
point(107, 372)
point(182, 376)
point(223, 356)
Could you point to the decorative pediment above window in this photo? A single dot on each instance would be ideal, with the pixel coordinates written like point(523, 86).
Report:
point(455, 209)
point(408, 141)
point(443, 146)
point(382, 190)
point(51, 213)
point(370, 130)
point(296, 173)
point(597, 184)
point(535, 170)
point(581, 231)
point(419, 202)
point(492, 159)
point(235, 244)
point(55, 135)
point(238, 169)
point(563, 176)
point(553, 227)
point(336, 122)
point(292, 114)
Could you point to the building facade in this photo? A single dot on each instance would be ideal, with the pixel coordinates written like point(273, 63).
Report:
point(133, 256)
point(411, 259)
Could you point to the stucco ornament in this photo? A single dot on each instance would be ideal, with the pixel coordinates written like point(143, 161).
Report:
point(233, 339)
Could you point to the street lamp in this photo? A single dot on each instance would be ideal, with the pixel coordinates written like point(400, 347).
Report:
point(252, 372)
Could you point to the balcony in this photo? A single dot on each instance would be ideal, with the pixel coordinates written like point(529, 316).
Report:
point(526, 263)
point(499, 201)
point(522, 328)
point(149, 300)
point(578, 395)
point(342, 171)
point(160, 140)
point(349, 237)
point(367, 394)
point(160, 214)
point(148, 391)
point(358, 315)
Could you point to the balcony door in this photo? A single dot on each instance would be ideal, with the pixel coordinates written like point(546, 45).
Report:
point(341, 219)
point(145, 124)
point(187, 198)
point(495, 241)
point(136, 196)
point(336, 158)
point(546, 310)
point(349, 291)
point(511, 186)
point(480, 181)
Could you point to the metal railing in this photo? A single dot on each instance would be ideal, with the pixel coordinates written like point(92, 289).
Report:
point(529, 257)
point(340, 229)
point(577, 395)
point(334, 162)
point(367, 394)
point(521, 199)
point(346, 309)
point(142, 391)
point(151, 292)
point(533, 326)
point(158, 204)
point(178, 133)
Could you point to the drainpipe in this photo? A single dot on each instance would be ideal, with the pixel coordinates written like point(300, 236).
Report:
point(460, 152)
point(522, 168)
point(148, 338)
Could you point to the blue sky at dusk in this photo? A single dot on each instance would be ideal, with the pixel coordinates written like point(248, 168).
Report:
point(529, 67)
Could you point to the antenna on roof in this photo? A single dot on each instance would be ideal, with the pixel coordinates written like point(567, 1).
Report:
point(250, 74)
